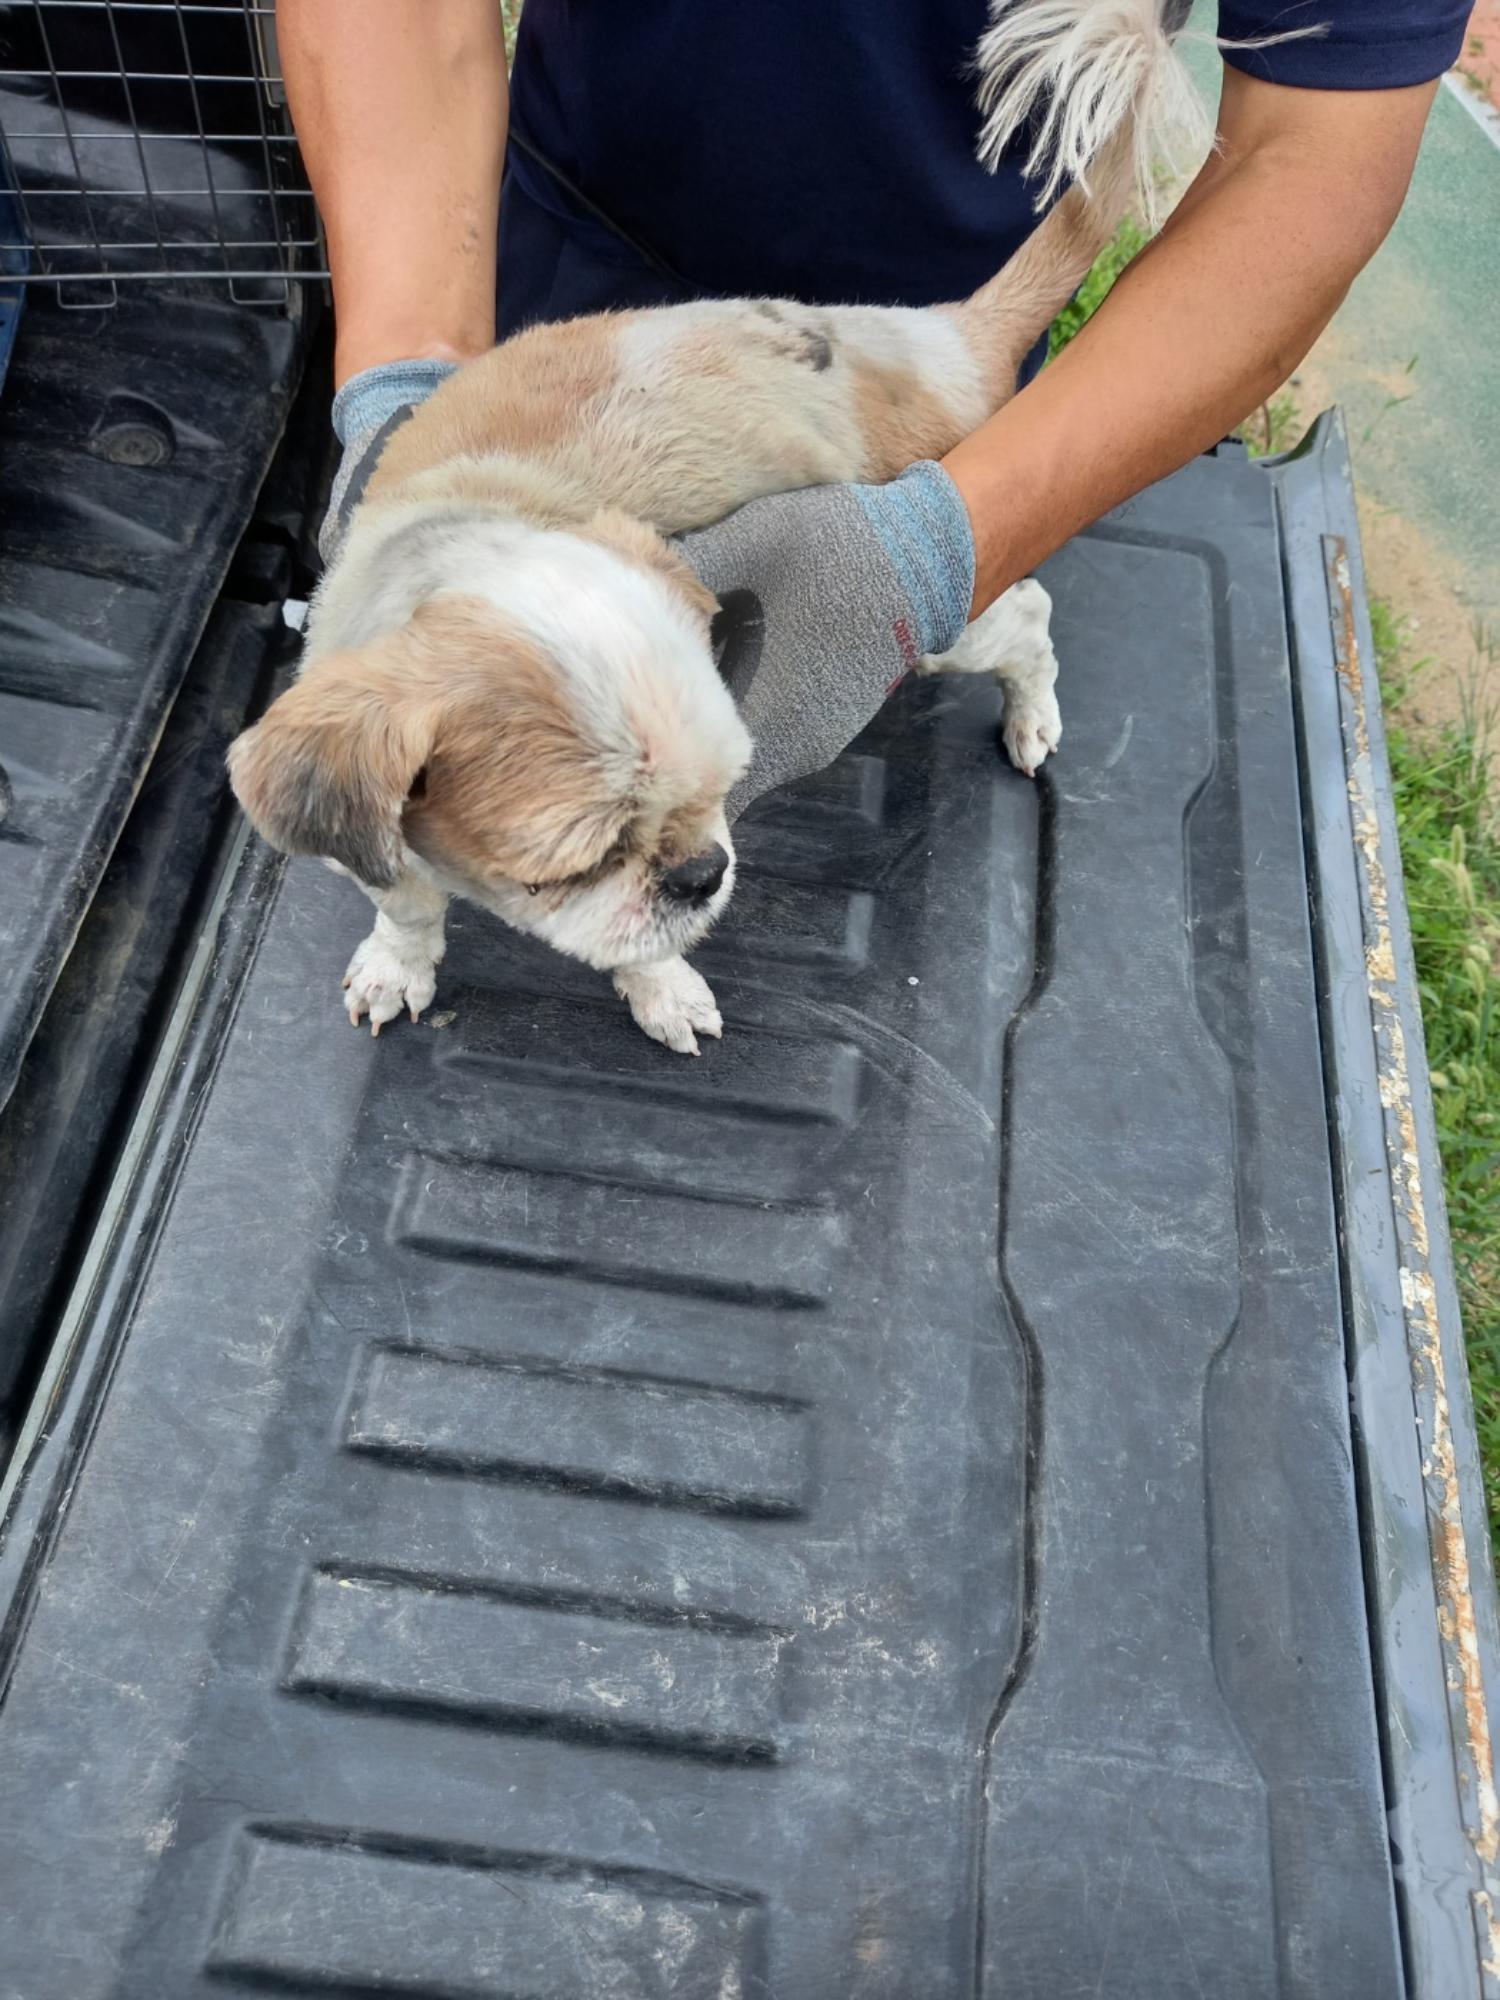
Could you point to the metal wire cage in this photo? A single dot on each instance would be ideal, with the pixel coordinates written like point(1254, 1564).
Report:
point(147, 140)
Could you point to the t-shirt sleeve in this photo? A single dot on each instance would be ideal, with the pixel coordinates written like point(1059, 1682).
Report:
point(1364, 44)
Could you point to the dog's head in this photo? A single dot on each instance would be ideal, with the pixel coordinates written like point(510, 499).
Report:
point(557, 746)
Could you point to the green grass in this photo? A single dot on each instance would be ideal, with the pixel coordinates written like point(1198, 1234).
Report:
point(1448, 815)
point(1276, 426)
point(1129, 238)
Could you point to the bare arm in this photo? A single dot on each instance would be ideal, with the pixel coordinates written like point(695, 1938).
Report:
point(1203, 326)
point(400, 108)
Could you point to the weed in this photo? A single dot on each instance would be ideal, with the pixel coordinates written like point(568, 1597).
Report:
point(1390, 403)
point(1449, 824)
point(1275, 427)
point(1095, 289)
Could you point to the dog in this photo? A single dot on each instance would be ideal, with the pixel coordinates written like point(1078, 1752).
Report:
point(508, 690)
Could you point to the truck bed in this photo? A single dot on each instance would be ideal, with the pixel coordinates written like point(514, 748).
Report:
point(931, 1499)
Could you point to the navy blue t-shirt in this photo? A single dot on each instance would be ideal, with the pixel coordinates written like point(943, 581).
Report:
point(824, 149)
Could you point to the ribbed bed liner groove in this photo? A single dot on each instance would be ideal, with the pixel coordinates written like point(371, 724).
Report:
point(122, 509)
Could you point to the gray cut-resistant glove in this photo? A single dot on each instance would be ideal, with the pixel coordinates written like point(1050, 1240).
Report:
point(365, 411)
point(829, 597)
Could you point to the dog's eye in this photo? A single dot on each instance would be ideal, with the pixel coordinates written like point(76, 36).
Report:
point(533, 888)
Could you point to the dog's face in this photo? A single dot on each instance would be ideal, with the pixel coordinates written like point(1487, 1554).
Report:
point(567, 770)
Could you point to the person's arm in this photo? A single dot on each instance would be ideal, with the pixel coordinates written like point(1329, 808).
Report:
point(400, 108)
point(1203, 326)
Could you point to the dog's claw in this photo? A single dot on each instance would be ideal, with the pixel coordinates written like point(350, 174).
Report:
point(1032, 734)
point(669, 1001)
point(383, 982)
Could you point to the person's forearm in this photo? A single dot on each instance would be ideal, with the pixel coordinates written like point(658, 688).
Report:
point(1207, 322)
point(400, 109)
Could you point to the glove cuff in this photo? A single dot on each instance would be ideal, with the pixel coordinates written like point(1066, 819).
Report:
point(923, 526)
point(372, 397)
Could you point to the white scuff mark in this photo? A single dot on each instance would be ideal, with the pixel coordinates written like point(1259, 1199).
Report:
point(1122, 743)
point(608, 1696)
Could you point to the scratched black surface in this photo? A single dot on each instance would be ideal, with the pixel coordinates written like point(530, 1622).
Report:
point(132, 446)
point(867, 1514)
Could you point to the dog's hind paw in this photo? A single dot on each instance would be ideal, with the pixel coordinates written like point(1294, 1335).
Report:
point(1032, 727)
point(670, 1001)
point(384, 977)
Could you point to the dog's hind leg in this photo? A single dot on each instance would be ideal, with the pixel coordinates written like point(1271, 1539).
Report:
point(1012, 641)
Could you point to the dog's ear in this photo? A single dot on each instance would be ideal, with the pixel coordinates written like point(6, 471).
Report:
point(328, 768)
point(640, 543)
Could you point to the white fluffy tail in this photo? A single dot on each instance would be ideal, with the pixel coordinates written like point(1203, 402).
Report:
point(1086, 72)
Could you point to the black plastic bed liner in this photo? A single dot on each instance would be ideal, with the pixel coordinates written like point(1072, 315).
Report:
point(514, 1515)
point(133, 444)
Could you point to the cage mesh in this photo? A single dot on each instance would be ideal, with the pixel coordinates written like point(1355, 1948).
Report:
point(148, 140)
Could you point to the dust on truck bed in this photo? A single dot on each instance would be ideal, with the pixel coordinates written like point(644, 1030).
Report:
point(936, 1498)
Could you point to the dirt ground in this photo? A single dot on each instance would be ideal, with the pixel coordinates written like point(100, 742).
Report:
point(1480, 62)
point(1422, 583)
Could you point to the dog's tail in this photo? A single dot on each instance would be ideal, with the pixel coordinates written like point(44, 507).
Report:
point(1073, 77)
point(1103, 96)
point(1005, 318)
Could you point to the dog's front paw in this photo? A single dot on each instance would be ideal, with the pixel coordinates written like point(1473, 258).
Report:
point(669, 1000)
point(386, 975)
point(1032, 727)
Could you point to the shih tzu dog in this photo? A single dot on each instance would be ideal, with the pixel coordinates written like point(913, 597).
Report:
point(508, 691)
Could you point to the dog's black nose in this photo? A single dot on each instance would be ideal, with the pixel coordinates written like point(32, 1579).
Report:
point(696, 879)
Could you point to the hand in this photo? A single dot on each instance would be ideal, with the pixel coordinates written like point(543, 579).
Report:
point(366, 410)
point(829, 597)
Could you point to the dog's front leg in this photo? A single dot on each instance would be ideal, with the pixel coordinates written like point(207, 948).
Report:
point(669, 1000)
point(396, 966)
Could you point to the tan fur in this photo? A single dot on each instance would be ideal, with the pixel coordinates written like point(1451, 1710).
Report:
point(675, 417)
point(529, 396)
point(512, 786)
point(688, 829)
point(1005, 318)
point(900, 418)
point(327, 768)
point(643, 545)
point(534, 490)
